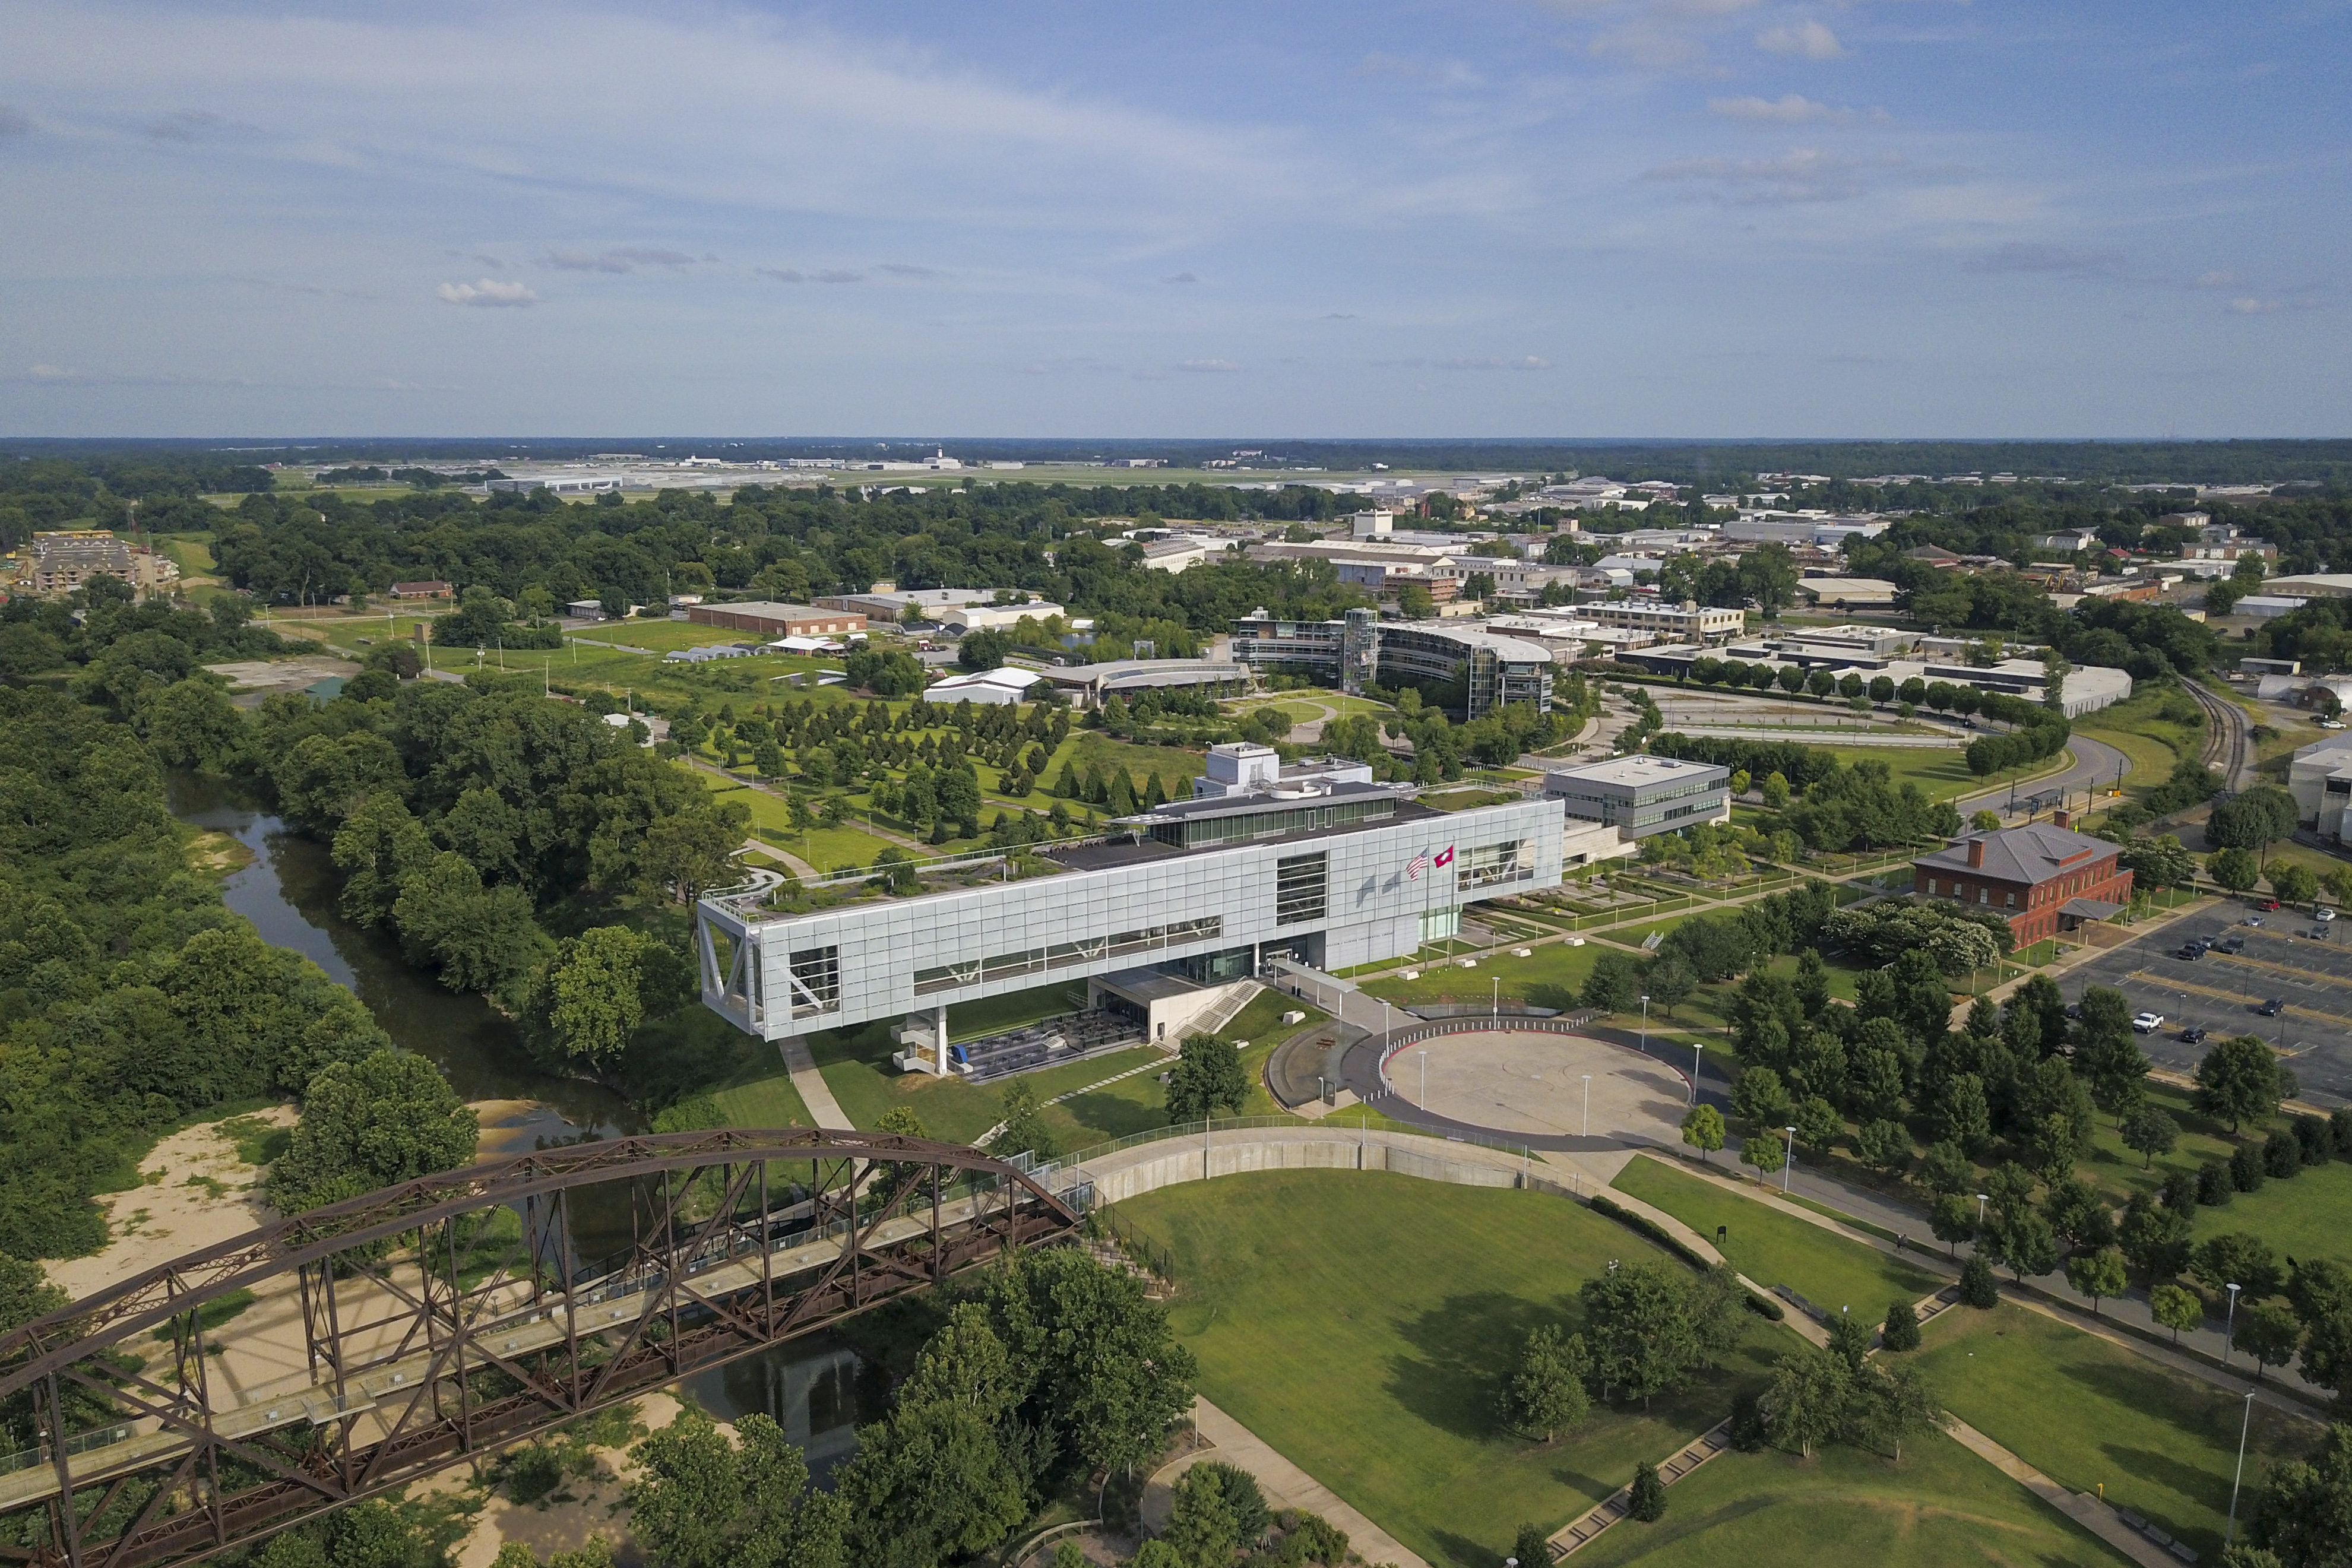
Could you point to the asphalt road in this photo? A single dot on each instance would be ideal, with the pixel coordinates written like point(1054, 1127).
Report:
point(2219, 992)
point(2096, 765)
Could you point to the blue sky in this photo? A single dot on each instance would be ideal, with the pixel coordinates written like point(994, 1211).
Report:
point(1494, 217)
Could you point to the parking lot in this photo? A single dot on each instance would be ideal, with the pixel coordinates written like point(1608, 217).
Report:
point(2219, 992)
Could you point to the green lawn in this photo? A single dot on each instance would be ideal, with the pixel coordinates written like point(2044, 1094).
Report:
point(770, 1101)
point(1776, 1248)
point(827, 849)
point(1549, 977)
point(1848, 1507)
point(2308, 1216)
point(1358, 1323)
point(2090, 1414)
point(1940, 774)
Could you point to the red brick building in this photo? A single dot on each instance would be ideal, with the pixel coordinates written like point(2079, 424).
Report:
point(2044, 878)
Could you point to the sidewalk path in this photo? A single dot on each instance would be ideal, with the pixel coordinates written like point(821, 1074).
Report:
point(2087, 1512)
point(1287, 1486)
point(815, 1092)
point(798, 866)
point(2051, 1295)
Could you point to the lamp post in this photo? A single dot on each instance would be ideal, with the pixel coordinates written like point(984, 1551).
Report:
point(1981, 1198)
point(1696, 1050)
point(2228, 1321)
point(1645, 1026)
point(1588, 1104)
point(1424, 1078)
point(1789, 1163)
point(1495, 1015)
point(2243, 1422)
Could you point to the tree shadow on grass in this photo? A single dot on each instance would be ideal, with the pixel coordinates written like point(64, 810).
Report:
point(1462, 1348)
point(1113, 1115)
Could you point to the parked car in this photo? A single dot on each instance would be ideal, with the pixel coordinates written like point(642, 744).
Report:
point(2073, 1009)
point(2192, 951)
point(2232, 945)
point(2254, 920)
point(2192, 1036)
point(2148, 1023)
point(2271, 1008)
point(2323, 915)
point(2268, 905)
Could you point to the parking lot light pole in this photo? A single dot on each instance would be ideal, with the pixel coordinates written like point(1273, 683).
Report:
point(1981, 1198)
point(2229, 1322)
point(1697, 1048)
point(2244, 1421)
point(1424, 1078)
point(1645, 1026)
point(1789, 1162)
point(1588, 1104)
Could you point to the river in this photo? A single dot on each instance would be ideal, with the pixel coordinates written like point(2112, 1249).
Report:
point(816, 1387)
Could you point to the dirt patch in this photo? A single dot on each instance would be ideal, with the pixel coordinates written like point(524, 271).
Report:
point(581, 1507)
point(196, 1193)
point(218, 854)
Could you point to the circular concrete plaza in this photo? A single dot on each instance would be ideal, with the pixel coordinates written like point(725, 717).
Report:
point(1535, 1083)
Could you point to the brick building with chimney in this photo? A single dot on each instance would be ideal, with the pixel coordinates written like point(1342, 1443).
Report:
point(2044, 878)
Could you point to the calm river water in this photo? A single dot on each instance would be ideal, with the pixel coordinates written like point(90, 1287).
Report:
point(817, 1388)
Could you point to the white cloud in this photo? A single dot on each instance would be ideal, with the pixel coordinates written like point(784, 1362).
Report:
point(1803, 174)
point(1789, 109)
point(2253, 307)
point(1208, 367)
point(1809, 39)
point(624, 258)
point(490, 292)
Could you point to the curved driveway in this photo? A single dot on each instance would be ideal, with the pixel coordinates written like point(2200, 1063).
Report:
point(2096, 766)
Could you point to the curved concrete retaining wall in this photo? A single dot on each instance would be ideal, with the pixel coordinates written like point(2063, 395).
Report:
point(1134, 1171)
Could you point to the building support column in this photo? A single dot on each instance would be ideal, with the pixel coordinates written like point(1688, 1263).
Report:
point(939, 1036)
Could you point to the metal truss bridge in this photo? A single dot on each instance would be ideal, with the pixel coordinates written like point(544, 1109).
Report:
point(378, 1340)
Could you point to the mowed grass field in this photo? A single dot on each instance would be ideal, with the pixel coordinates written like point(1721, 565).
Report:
point(1358, 1323)
point(1847, 1508)
point(2089, 1414)
point(1776, 1248)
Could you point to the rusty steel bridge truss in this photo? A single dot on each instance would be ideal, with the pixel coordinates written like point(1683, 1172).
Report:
point(452, 1315)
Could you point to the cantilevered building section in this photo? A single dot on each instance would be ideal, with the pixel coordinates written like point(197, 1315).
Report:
point(1208, 891)
point(1466, 670)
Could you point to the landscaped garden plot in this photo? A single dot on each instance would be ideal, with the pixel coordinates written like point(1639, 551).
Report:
point(1849, 1508)
point(1359, 1321)
point(2092, 1414)
point(1776, 1248)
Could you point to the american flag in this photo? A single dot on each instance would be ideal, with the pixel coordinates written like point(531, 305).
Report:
point(1419, 863)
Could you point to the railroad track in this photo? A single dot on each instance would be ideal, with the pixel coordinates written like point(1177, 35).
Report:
point(2227, 748)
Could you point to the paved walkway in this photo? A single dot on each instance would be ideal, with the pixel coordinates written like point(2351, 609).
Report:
point(798, 866)
point(2087, 1512)
point(1284, 1483)
point(815, 1092)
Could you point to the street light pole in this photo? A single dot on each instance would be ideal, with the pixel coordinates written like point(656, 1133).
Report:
point(1696, 1050)
point(1424, 1078)
point(1645, 1026)
point(2228, 1323)
point(1588, 1104)
point(2243, 1422)
point(1789, 1162)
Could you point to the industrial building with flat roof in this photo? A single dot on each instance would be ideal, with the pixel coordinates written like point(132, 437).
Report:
point(771, 619)
point(1683, 622)
point(1639, 796)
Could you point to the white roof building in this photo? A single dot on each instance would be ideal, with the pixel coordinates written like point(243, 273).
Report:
point(990, 688)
